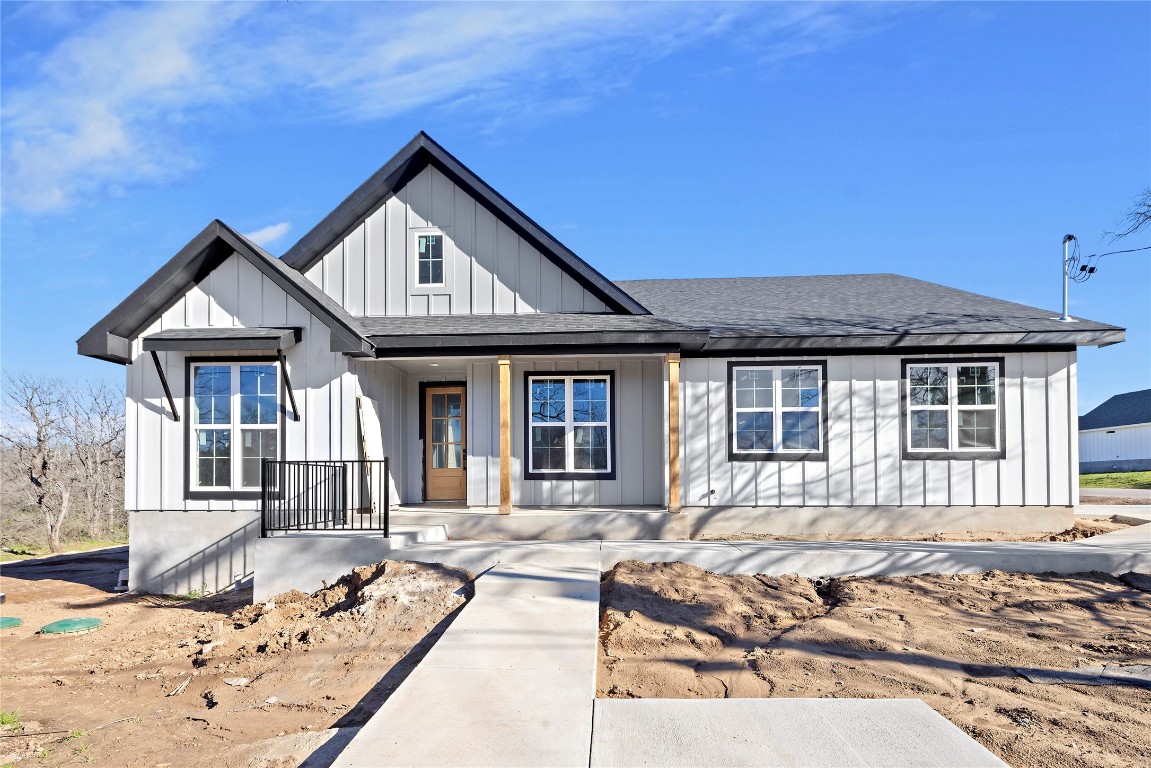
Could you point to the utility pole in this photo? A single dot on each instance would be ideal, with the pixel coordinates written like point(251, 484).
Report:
point(1066, 274)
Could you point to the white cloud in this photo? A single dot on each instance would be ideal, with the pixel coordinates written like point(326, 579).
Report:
point(269, 235)
point(110, 104)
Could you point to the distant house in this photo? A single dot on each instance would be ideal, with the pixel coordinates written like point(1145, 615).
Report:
point(1116, 436)
point(429, 322)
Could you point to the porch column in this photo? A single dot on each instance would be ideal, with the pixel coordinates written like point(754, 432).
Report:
point(673, 500)
point(505, 434)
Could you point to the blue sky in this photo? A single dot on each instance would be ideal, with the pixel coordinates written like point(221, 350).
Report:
point(951, 142)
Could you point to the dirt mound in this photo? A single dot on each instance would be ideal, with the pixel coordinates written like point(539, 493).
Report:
point(673, 630)
point(192, 681)
point(1082, 528)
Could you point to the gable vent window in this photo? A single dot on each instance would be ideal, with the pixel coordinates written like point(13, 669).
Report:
point(430, 259)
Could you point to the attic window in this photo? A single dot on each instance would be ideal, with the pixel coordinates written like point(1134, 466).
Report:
point(430, 259)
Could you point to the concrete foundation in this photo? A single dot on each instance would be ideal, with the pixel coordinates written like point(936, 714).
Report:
point(1115, 465)
point(622, 524)
point(176, 552)
point(308, 561)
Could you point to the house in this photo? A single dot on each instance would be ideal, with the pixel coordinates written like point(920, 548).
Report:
point(1116, 436)
point(429, 322)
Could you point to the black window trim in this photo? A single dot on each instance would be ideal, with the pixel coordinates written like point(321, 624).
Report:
point(613, 415)
point(906, 452)
point(734, 455)
point(190, 494)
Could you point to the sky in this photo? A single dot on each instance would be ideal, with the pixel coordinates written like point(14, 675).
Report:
point(952, 142)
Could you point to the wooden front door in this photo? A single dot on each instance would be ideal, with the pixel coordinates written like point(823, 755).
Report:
point(445, 441)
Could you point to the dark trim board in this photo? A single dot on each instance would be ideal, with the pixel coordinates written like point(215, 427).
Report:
point(416, 155)
point(222, 339)
point(540, 350)
point(527, 433)
point(422, 430)
point(909, 455)
point(741, 456)
point(707, 353)
point(186, 456)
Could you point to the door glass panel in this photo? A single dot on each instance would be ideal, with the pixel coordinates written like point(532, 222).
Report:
point(454, 405)
point(439, 404)
point(453, 433)
point(455, 456)
point(439, 456)
point(438, 430)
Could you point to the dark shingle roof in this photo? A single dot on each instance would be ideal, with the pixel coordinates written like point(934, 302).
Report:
point(855, 310)
point(525, 330)
point(1120, 411)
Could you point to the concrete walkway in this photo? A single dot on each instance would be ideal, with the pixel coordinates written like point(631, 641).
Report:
point(1143, 494)
point(511, 682)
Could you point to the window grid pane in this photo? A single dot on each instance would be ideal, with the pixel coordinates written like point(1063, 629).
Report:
point(228, 397)
point(777, 410)
point(953, 407)
point(570, 424)
point(430, 259)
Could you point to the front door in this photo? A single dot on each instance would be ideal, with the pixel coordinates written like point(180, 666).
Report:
point(445, 439)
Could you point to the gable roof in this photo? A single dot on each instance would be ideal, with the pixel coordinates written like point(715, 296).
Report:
point(420, 152)
point(854, 311)
point(110, 338)
point(1119, 411)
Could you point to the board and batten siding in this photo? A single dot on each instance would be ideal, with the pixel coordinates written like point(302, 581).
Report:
point(640, 435)
point(235, 294)
point(488, 268)
point(864, 464)
point(1122, 443)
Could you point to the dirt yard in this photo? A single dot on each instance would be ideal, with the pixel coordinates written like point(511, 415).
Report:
point(212, 681)
point(673, 630)
point(1084, 527)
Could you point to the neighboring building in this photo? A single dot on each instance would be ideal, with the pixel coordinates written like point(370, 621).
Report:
point(430, 321)
point(1116, 436)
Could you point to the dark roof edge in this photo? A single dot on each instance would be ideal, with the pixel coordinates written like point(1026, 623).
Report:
point(587, 339)
point(421, 150)
point(1096, 338)
point(110, 338)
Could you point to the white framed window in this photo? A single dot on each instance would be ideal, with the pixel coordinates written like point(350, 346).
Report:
point(430, 264)
point(953, 408)
point(570, 432)
point(776, 411)
point(233, 425)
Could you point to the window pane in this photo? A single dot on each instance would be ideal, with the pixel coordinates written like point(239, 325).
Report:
point(439, 405)
point(439, 456)
point(753, 432)
point(929, 430)
point(975, 385)
point(753, 388)
point(928, 384)
point(548, 448)
point(425, 277)
point(455, 456)
point(455, 404)
point(211, 390)
point(437, 272)
point(977, 429)
point(589, 400)
point(591, 448)
point(438, 431)
point(430, 259)
point(548, 400)
point(223, 472)
point(799, 387)
point(800, 431)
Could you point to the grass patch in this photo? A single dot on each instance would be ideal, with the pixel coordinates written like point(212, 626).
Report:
point(18, 552)
point(9, 719)
point(1136, 480)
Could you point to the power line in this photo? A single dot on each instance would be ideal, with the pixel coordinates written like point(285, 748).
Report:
point(1081, 268)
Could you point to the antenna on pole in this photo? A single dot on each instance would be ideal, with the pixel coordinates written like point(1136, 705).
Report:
point(1067, 239)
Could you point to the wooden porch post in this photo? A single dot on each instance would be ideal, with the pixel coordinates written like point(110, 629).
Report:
point(505, 362)
point(673, 500)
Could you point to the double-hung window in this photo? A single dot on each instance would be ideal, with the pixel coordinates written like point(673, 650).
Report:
point(569, 426)
point(777, 411)
point(234, 424)
point(953, 409)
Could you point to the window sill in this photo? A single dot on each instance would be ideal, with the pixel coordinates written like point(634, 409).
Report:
point(569, 475)
point(992, 455)
point(734, 456)
point(222, 495)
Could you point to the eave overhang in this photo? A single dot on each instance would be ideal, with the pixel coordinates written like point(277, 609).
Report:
point(589, 342)
point(889, 342)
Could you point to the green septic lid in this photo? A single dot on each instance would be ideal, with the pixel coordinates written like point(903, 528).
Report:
point(10, 622)
point(71, 626)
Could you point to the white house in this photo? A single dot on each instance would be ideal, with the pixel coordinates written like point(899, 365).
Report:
point(429, 321)
point(1116, 436)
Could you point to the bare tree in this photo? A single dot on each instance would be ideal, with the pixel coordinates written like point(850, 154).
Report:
point(63, 450)
point(1137, 218)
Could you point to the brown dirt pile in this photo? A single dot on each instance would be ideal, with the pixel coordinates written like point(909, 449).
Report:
point(676, 631)
point(193, 682)
point(1082, 529)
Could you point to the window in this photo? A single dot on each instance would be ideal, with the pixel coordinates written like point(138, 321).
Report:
point(234, 424)
point(430, 259)
point(569, 426)
point(776, 411)
point(953, 409)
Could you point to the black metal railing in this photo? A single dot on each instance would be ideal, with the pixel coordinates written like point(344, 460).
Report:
point(324, 496)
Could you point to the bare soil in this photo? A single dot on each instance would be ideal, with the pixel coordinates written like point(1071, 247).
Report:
point(1083, 528)
point(215, 680)
point(673, 630)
